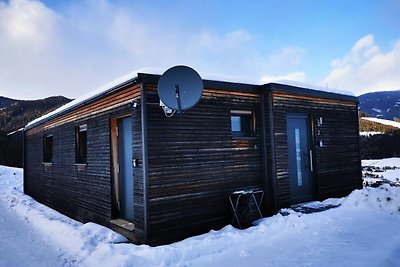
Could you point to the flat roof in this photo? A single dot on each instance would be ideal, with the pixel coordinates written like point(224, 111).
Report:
point(299, 90)
point(135, 78)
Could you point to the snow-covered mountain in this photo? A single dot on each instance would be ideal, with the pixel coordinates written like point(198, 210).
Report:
point(384, 105)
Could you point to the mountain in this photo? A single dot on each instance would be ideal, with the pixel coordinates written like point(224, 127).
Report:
point(14, 115)
point(384, 105)
point(381, 105)
point(4, 102)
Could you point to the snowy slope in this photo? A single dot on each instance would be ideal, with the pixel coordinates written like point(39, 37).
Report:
point(363, 231)
point(382, 121)
point(383, 169)
point(16, 236)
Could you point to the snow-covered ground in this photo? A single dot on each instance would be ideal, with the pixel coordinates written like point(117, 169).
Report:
point(369, 133)
point(363, 231)
point(375, 170)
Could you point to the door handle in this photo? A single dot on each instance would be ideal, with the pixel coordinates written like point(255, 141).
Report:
point(311, 161)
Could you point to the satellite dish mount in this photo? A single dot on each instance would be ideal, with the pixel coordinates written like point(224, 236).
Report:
point(179, 89)
point(178, 98)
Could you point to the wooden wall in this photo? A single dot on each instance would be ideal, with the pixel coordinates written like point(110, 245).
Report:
point(195, 164)
point(338, 168)
point(83, 192)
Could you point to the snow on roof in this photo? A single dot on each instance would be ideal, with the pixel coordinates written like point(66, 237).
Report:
point(93, 94)
point(13, 132)
point(111, 85)
point(238, 79)
point(314, 87)
point(229, 78)
point(382, 121)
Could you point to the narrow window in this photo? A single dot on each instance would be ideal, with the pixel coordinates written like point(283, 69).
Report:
point(48, 148)
point(81, 144)
point(242, 123)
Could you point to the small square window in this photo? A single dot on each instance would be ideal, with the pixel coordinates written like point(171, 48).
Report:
point(81, 144)
point(48, 148)
point(242, 123)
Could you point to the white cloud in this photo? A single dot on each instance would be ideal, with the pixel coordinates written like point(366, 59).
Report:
point(28, 41)
point(366, 68)
point(213, 42)
point(287, 58)
point(89, 43)
point(293, 76)
point(26, 21)
point(227, 53)
point(69, 54)
point(287, 61)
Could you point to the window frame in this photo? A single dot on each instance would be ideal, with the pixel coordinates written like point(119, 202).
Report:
point(247, 124)
point(81, 144)
point(48, 144)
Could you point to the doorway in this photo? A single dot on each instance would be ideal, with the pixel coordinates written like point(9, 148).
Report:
point(121, 139)
point(300, 158)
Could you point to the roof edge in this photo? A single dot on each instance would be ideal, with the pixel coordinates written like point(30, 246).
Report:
point(129, 79)
point(77, 103)
point(309, 92)
point(220, 85)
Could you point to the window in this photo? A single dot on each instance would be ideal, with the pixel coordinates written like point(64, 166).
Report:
point(48, 148)
point(242, 123)
point(81, 144)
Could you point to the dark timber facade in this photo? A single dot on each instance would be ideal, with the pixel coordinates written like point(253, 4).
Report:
point(181, 170)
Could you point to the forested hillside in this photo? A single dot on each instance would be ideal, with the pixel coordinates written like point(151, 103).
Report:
point(15, 114)
point(378, 146)
point(5, 102)
point(370, 126)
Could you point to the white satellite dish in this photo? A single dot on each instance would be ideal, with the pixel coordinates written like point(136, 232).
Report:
point(180, 88)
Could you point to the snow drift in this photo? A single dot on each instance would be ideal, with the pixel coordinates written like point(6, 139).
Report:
point(362, 231)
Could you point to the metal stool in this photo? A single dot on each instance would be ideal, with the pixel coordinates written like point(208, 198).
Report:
point(235, 197)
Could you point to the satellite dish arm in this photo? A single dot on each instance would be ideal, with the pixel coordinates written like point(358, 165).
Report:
point(178, 98)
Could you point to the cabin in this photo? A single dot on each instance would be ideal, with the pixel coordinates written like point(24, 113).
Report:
point(114, 157)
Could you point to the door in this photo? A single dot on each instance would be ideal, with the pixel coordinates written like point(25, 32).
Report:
point(122, 136)
point(299, 154)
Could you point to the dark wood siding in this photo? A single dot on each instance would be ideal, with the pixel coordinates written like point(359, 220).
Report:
point(195, 164)
point(337, 164)
point(83, 192)
point(139, 234)
point(270, 200)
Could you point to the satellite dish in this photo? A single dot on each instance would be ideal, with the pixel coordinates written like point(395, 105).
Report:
point(180, 88)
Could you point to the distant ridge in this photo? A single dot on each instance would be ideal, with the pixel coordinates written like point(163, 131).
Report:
point(15, 114)
point(4, 102)
point(382, 108)
point(383, 105)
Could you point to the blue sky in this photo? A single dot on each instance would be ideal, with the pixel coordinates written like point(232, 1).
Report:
point(71, 47)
